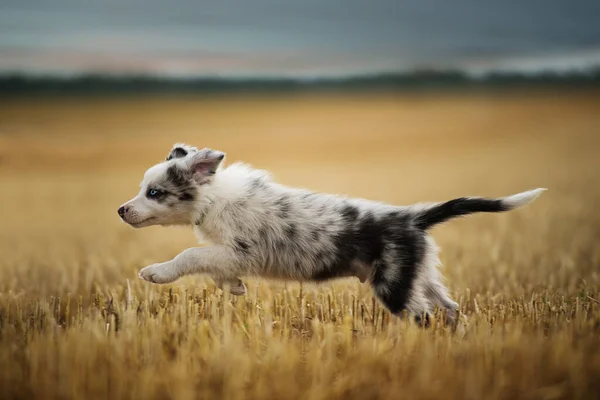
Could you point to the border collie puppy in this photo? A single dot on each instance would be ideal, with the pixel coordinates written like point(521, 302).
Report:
point(257, 227)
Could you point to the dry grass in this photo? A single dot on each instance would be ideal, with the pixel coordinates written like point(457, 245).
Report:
point(75, 322)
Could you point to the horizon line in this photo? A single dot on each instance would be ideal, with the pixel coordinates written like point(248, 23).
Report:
point(415, 72)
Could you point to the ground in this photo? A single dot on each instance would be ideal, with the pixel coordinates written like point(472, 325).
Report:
point(76, 322)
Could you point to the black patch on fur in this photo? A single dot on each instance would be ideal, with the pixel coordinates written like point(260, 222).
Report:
point(345, 252)
point(349, 213)
point(186, 196)
point(182, 187)
point(241, 245)
point(370, 238)
point(262, 232)
point(291, 231)
point(177, 177)
point(364, 238)
point(406, 247)
point(455, 208)
point(177, 152)
point(379, 268)
point(361, 239)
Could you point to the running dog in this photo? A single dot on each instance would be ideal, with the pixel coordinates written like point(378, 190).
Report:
point(258, 227)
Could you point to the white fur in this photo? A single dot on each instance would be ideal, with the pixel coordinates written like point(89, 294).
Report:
point(524, 198)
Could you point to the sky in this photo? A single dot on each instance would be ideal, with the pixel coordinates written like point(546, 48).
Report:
point(300, 38)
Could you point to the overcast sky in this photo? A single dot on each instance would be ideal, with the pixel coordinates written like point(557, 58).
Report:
point(307, 37)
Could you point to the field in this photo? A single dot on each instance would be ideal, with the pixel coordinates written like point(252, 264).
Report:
point(76, 322)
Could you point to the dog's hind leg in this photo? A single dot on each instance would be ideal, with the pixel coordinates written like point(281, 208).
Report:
point(399, 293)
point(438, 295)
point(433, 284)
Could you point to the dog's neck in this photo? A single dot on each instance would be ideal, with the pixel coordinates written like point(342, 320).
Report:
point(230, 185)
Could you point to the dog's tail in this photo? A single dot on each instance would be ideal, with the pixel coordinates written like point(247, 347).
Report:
point(428, 216)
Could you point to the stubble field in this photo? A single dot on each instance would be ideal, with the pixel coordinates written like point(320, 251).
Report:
point(76, 322)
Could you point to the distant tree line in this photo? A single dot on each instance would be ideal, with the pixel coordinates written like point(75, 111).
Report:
point(90, 84)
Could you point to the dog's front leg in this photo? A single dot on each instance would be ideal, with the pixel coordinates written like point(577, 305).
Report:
point(221, 262)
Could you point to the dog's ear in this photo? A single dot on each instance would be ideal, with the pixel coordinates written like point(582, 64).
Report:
point(181, 150)
point(204, 164)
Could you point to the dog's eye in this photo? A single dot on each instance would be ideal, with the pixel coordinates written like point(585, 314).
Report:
point(153, 193)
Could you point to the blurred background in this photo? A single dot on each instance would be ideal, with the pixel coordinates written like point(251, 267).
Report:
point(393, 101)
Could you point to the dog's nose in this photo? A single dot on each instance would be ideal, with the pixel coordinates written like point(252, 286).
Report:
point(122, 211)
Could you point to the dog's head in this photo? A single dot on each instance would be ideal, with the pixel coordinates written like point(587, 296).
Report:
point(170, 190)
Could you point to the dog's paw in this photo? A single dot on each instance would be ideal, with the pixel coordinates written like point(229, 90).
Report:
point(236, 286)
point(159, 273)
point(239, 289)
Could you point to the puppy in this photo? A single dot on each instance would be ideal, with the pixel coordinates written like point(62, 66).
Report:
point(258, 227)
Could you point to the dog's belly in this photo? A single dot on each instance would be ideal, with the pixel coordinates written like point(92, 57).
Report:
point(314, 274)
point(284, 272)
